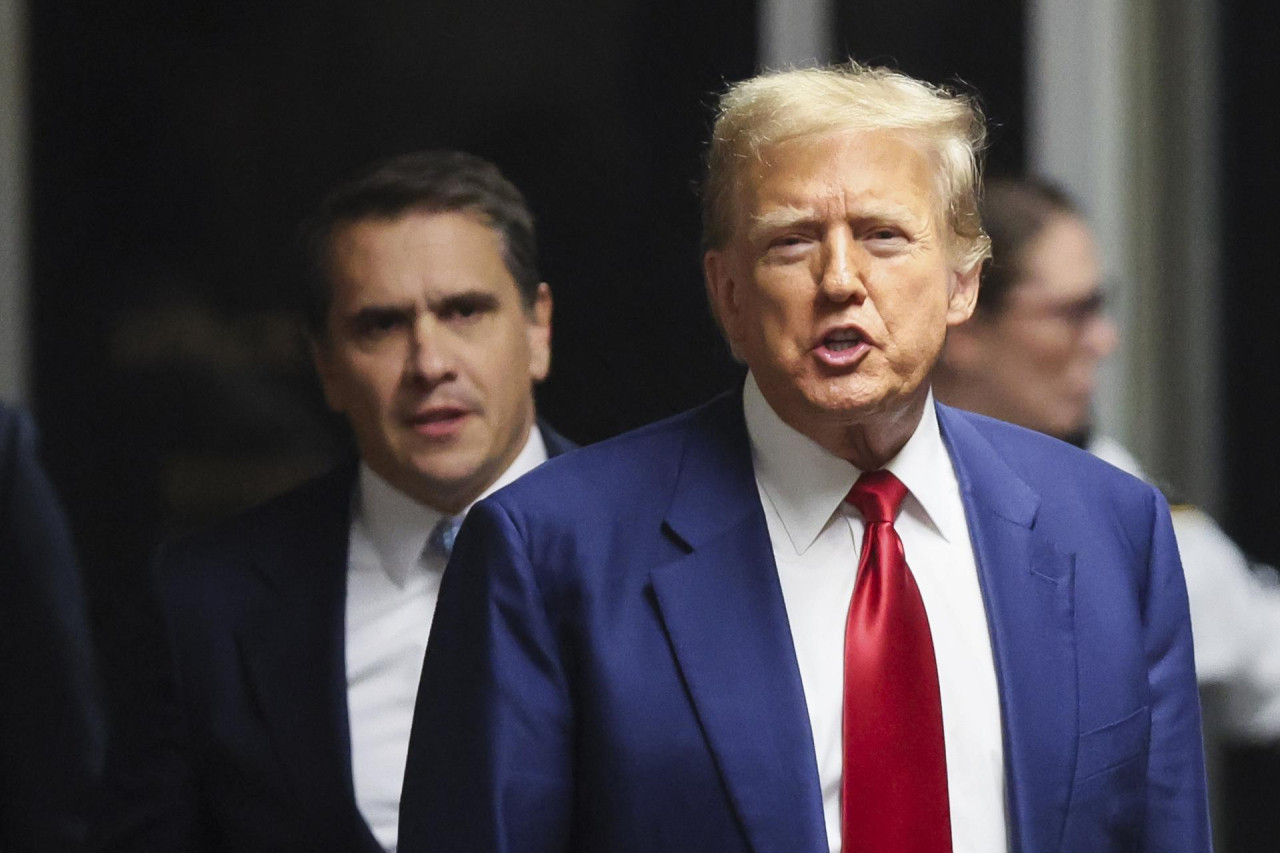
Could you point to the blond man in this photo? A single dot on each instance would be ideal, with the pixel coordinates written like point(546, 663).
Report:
point(822, 612)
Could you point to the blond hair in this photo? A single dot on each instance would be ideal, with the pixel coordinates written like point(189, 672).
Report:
point(777, 106)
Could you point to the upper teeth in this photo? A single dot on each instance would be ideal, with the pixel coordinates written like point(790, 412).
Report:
point(842, 339)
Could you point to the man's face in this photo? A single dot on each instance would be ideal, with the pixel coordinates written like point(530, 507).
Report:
point(1038, 355)
point(430, 353)
point(836, 287)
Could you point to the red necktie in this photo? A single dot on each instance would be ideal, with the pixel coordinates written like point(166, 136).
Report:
point(894, 788)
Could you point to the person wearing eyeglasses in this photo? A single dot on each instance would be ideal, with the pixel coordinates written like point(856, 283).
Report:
point(1030, 355)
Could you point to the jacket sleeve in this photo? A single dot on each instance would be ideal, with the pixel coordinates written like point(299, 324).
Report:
point(150, 801)
point(491, 751)
point(1177, 814)
point(51, 729)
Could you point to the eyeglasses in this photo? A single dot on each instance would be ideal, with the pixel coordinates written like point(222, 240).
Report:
point(1076, 313)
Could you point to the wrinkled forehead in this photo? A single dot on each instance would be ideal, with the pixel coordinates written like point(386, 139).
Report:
point(812, 160)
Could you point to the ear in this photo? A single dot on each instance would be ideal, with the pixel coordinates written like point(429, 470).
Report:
point(722, 292)
point(963, 353)
point(539, 331)
point(322, 359)
point(963, 298)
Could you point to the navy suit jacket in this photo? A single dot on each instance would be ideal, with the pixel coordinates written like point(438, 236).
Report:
point(250, 749)
point(51, 729)
point(611, 666)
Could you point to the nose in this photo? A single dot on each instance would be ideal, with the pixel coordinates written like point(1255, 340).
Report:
point(1101, 335)
point(843, 273)
point(430, 357)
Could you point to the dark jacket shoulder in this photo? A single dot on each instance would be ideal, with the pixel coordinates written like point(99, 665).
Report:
point(279, 544)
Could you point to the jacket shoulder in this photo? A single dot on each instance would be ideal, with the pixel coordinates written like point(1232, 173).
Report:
point(285, 525)
point(1040, 459)
point(636, 466)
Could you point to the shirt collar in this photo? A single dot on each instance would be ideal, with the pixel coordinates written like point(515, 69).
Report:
point(398, 526)
point(807, 484)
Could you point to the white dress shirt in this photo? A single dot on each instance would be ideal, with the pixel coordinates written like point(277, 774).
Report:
point(816, 540)
point(392, 587)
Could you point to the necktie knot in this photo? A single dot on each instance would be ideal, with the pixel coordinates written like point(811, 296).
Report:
point(440, 541)
point(877, 495)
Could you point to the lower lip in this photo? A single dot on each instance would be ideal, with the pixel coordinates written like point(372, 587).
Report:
point(441, 428)
point(842, 357)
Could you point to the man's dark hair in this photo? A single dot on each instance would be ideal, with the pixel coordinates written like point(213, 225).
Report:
point(428, 182)
point(1014, 212)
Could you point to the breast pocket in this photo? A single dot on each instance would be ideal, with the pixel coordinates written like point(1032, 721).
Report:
point(1108, 797)
point(1113, 745)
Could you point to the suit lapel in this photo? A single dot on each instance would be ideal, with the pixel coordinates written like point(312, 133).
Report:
point(724, 613)
point(294, 654)
point(1027, 587)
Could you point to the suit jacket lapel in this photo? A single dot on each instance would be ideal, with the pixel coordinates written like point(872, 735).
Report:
point(294, 654)
point(724, 613)
point(1027, 586)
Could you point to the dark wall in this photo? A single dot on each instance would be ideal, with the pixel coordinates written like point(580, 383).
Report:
point(974, 47)
point(1251, 349)
point(1251, 181)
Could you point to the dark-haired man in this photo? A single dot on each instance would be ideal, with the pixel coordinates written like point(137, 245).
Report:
point(298, 628)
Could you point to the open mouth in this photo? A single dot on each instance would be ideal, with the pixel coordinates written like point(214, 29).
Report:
point(842, 348)
point(841, 340)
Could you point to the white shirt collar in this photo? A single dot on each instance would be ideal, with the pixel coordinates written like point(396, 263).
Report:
point(398, 526)
point(807, 484)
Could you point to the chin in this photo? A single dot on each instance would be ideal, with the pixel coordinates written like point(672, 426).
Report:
point(855, 403)
point(447, 477)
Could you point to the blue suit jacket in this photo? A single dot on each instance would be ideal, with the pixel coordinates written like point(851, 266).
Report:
point(51, 729)
point(247, 745)
point(611, 666)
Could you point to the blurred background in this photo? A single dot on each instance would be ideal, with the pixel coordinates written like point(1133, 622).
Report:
point(156, 157)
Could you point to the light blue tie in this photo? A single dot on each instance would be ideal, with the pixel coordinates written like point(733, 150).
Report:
point(442, 536)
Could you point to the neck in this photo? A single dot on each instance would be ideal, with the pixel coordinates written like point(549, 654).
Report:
point(871, 441)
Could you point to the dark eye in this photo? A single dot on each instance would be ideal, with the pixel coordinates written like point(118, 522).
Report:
point(1086, 309)
point(466, 307)
point(373, 322)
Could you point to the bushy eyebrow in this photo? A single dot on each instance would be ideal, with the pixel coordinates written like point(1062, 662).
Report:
point(779, 219)
point(789, 216)
point(476, 300)
point(381, 313)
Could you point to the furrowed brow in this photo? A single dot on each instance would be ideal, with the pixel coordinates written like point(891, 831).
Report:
point(887, 211)
point(779, 219)
point(481, 300)
point(382, 312)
